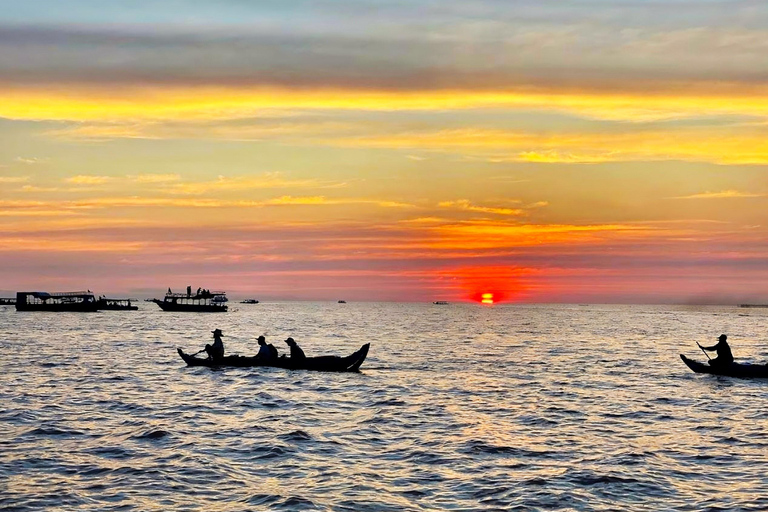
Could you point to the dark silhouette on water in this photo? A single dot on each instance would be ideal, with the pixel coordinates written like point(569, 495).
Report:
point(724, 355)
point(298, 361)
point(297, 355)
point(267, 352)
point(216, 351)
point(723, 364)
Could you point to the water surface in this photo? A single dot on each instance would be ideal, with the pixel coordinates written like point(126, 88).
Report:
point(458, 407)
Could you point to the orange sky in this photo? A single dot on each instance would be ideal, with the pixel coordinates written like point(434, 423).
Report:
point(524, 150)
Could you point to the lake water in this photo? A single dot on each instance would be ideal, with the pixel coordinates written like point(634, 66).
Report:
point(458, 407)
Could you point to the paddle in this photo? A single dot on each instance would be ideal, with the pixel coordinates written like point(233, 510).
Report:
point(705, 352)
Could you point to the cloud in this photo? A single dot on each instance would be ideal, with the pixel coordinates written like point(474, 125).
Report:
point(464, 204)
point(239, 183)
point(155, 178)
point(725, 194)
point(30, 160)
point(739, 146)
point(14, 179)
point(490, 47)
point(83, 179)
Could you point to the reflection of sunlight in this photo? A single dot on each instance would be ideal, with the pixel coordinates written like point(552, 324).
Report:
point(487, 298)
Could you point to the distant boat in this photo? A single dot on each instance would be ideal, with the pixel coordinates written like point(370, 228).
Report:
point(7, 301)
point(441, 302)
point(753, 305)
point(58, 301)
point(342, 302)
point(249, 301)
point(203, 301)
point(116, 304)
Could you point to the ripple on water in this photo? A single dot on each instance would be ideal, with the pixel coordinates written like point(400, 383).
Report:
point(151, 435)
point(459, 410)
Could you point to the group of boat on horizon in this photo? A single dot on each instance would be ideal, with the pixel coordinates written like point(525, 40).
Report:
point(85, 301)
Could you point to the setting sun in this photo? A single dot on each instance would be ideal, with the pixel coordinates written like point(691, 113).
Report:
point(487, 298)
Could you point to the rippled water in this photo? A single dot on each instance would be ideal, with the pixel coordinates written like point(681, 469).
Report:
point(457, 407)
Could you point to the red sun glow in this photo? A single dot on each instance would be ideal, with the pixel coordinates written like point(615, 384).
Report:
point(487, 298)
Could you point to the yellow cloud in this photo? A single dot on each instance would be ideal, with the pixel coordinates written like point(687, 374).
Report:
point(155, 178)
point(736, 147)
point(463, 204)
point(13, 179)
point(725, 194)
point(269, 180)
point(89, 180)
point(132, 105)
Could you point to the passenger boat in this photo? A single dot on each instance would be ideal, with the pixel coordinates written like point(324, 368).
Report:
point(342, 302)
point(7, 301)
point(249, 301)
point(351, 363)
point(58, 301)
point(203, 301)
point(116, 304)
point(743, 370)
point(441, 302)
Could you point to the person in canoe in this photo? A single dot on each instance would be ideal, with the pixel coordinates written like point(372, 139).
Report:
point(215, 351)
point(724, 356)
point(266, 351)
point(296, 353)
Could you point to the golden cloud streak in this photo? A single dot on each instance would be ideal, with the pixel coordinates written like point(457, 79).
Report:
point(746, 147)
point(216, 103)
point(88, 179)
point(725, 194)
point(463, 204)
point(270, 180)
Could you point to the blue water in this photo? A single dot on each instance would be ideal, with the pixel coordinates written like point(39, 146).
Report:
point(458, 407)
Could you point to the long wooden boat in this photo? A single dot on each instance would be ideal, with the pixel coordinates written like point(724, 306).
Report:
point(59, 301)
point(742, 370)
point(351, 363)
point(200, 302)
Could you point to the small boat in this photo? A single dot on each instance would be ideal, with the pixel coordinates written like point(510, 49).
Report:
point(249, 301)
point(7, 301)
point(742, 370)
point(202, 301)
point(342, 302)
point(60, 301)
point(351, 363)
point(441, 302)
point(116, 304)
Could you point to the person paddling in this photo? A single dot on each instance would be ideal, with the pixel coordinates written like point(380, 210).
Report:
point(724, 356)
point(296, 353)
point(215, 351)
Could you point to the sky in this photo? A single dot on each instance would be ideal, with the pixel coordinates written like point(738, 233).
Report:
point(609, 151)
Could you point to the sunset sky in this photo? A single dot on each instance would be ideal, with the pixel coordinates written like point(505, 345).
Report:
point(538, 150)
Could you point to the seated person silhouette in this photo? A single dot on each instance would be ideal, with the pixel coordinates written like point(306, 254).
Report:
point(724, 356)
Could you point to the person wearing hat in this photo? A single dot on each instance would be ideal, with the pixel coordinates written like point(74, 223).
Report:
point(724, 356)
point(215, 351)
point(264, 351)
point(296, 353)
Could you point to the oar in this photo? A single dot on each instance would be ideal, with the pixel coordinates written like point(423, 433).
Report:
point(705, 352)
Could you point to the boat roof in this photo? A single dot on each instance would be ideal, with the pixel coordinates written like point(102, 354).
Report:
point(59, 294)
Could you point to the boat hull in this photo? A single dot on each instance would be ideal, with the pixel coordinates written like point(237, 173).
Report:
point(192, 308)
point(78, 307)
point(740, 370)
point(351, 363)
